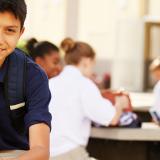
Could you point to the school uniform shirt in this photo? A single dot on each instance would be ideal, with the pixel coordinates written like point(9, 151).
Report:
point(156, 105)
point(37, 100)
point(76, 102)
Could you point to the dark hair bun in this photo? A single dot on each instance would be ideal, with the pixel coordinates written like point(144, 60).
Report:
point(31, 45)
point(68, 44)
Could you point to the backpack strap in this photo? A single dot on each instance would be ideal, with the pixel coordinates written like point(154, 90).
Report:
point(15, 88)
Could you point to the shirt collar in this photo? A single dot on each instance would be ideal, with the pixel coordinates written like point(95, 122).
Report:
point(72, 69)
point(3, 70)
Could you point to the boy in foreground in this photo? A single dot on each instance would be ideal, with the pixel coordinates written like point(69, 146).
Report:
point(33, 142)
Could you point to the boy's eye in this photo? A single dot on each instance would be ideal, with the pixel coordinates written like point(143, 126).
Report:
point(11, 30)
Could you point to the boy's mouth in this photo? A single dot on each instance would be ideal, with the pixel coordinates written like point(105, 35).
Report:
point(2, 49)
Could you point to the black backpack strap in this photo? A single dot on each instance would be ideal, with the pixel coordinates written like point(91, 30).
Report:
point(15, 88)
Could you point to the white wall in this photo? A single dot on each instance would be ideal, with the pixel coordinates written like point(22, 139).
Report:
point(127, 71)
point(154, 8)
point(97, 25)
point(154, 11)
point(113, 27)
point(46, 19)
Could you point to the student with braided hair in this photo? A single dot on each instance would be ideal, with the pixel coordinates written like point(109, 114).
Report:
point(46, 55)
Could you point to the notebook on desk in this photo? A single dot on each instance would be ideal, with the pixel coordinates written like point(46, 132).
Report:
point(150, 125)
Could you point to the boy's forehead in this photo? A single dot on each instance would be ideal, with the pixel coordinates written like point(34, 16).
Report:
point(8, 19)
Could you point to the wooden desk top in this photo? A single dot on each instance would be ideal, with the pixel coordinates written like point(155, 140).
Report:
point(148, 132)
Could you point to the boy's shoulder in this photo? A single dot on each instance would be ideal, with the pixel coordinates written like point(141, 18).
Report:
point(32, 68)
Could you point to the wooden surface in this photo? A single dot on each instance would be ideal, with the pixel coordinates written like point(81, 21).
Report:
point(149, 132)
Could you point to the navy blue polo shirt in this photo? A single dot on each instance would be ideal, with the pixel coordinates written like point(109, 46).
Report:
point(37, 97)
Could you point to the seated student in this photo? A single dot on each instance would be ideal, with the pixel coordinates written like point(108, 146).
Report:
point(155, 70)
point(46, 55)
point(24, 116)
point(76, 102)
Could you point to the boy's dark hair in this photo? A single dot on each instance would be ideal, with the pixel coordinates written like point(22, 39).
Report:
point(17, 7)
point(39, 49)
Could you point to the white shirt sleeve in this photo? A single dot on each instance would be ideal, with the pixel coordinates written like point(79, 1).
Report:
point(96, 108)
point(156, 105)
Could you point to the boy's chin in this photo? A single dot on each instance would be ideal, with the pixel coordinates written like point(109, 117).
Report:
point(4, 53)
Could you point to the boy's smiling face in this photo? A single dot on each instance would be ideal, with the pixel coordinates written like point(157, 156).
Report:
point(10, 32)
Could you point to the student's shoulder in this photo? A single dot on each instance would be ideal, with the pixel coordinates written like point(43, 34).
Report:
point(33, 70)
point(53, 81)
point(88, 83)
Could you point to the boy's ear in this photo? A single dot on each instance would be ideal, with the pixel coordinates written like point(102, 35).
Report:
point(85, 61)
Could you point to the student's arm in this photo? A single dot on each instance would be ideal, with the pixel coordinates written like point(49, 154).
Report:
point(156, 91)
point(99, 109)
point(39, 144)
point(121, 104)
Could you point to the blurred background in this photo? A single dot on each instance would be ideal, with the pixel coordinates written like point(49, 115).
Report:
point(126, 37)
point(124, 33)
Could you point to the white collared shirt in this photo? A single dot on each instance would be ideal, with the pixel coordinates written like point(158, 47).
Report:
point(156, 105)
point(76, 101)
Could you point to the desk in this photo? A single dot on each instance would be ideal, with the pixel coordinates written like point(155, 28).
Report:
point(152, 133)
point(128, 144)
point(125, 144)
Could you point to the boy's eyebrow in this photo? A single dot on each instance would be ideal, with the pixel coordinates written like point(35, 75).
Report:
point(12, 26)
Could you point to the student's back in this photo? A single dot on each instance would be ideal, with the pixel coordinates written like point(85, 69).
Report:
point(72, 101)
point(76, 101)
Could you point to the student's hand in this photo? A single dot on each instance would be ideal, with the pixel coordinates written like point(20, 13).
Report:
point(122, 102)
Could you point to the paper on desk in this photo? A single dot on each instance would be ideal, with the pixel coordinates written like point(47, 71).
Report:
point(150, 125)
